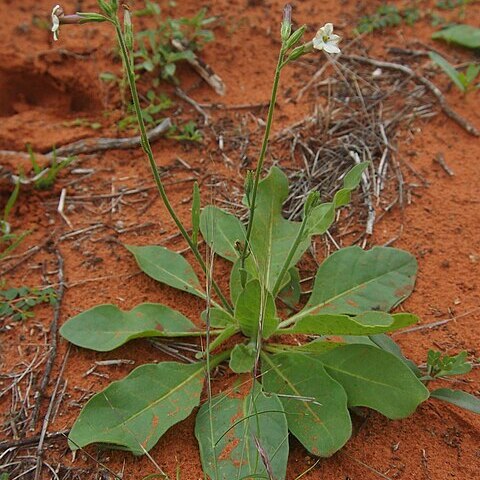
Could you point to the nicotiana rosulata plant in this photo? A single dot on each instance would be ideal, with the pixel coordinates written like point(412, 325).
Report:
point(306, 389)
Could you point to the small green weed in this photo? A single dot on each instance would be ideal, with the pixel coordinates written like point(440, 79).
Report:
point(463, 81)
point(17, 303)
point(155, 105)
point(156, 51)
point(83, 122)
point(187, 132)
point(10, 241)
point(45, 177)
point(385, 16)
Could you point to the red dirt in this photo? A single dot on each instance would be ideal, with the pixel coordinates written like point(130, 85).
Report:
point(43, 86)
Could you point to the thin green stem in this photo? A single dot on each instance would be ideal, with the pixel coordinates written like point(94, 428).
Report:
point(153, 166)
point(261, 158)
point(222, 337)
point(289, 258)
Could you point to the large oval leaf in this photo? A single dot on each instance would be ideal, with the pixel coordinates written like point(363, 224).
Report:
point(272, 235)
point(226, 433)
point(353, 281)
point(106, 327)
point(367, 323)
point(135, 412)
point(376, 379)
point(167, 267)
point(316, 405)
point(221, 230)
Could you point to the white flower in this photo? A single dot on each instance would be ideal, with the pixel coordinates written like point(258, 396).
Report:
point(326, 40)
point(56, 21)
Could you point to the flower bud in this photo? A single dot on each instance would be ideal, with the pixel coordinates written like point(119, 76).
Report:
point(295, 37)
point(296, 53)
point(128, 29)
point(286, 23)
point(89, 17)
point(312, 201)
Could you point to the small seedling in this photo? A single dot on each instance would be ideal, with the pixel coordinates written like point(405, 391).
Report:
point(187, 132)
point(10, 241)
point(83, 122)
point(17, 303)
point(155, 105)
point(46, 177)
point(439, 365)
point(385, 16)
point(463, 81)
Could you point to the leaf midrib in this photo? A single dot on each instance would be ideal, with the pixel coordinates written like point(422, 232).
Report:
point(346, 292)
point(181, 280)
point(305, 404)
point(156, 402)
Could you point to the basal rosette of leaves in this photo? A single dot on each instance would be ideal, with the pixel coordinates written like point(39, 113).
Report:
point(305, 390)
point(300, 390)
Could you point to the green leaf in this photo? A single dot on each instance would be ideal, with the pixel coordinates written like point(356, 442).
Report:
point(291, 292)
point(231, 452)
point(389, 345)
point(354, 176)
point(459, 398)
point(320, 218)
point(218, 318)
point(316, 405)
point(448, 69)
point(353, 281)
point(272, 235)
point(221, 230)
point(367, 323)
point(235, 281)
point(323, 215)
point(315, 347)
point(376, 379)
point(463, 35)
point(167, 267)
point(106, 327)
point(242, 358)
point(135, 412)
point(251, 307)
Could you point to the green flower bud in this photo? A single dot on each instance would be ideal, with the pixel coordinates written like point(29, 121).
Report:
point(89, 17)
point(296, 53)
point(312, 201)
point(295, 37)
point(128, 29)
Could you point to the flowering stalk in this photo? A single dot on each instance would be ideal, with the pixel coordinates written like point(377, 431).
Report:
point(125, 42)
point(325, 40)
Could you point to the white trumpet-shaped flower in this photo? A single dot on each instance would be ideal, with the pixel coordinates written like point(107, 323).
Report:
point(326, 40)
point(56, 21)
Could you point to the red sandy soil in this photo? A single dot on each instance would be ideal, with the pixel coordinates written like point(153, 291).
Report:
point(44, 85)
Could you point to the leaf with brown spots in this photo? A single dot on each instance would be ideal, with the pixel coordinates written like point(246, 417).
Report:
point(352, 281)
point(226, 433)
point(135, 412)
point(316, 405)
point(106, 327)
